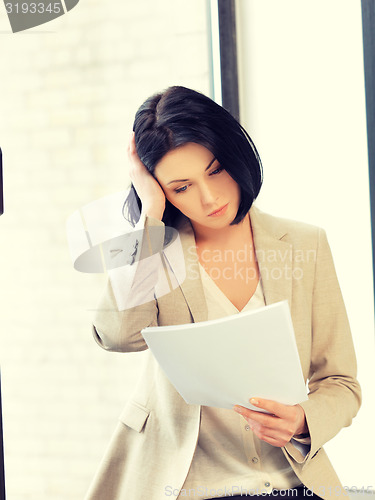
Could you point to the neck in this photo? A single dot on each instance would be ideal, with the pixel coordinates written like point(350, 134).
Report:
point(223, 237)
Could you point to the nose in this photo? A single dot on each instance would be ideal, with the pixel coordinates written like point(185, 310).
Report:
point(207, 194)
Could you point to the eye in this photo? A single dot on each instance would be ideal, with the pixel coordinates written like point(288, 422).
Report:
point(181, 189)
point(217, 170)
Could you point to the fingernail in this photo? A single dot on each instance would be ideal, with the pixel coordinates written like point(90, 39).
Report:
point(237, 409)
point(254, 401)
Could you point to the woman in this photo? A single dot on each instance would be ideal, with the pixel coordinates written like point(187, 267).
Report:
point(194, 168)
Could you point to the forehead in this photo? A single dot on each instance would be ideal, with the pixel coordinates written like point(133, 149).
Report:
point(189, 159)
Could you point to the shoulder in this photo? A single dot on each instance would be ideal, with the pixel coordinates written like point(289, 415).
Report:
point(285, 229)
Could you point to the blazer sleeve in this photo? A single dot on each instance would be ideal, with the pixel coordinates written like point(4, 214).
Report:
point(128, 303)
point(334, 392)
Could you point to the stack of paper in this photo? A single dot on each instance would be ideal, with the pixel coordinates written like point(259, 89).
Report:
point(227, 361)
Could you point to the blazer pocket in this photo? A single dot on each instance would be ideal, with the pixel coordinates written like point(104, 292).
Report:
point(134, 415)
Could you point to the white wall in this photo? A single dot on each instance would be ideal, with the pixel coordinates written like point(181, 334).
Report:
point(303, 103)
point(68, 93)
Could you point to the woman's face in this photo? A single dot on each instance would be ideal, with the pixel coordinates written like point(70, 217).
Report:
point(195, 183)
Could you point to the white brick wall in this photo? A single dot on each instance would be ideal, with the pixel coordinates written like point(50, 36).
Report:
point(68, 93)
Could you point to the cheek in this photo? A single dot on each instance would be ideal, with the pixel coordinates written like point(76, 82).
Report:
point(228, 179)
point(185, 204)
point(232, 186)
point(176, 200)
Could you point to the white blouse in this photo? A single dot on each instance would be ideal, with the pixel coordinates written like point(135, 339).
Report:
point(229, 458)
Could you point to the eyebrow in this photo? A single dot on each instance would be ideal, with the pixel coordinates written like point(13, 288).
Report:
point(184, 180)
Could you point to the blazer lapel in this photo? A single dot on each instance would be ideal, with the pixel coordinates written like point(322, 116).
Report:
point(274, 256)
point(191, 286)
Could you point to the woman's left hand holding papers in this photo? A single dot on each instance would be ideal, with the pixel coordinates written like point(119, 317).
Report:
point(279, 425)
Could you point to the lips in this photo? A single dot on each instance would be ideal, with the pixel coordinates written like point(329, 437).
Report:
point(219, 211)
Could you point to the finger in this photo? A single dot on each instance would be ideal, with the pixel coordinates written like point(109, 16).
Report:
point(274, 441)
point(252, 423)
point(273, 407)
point(264, 419)
point(271, 435)
point(131, 145)
point(136, 167)
point(132, 142)
point(266, 427)
point(259, 416)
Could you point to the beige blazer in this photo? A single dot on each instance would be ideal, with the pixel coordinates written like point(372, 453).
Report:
point(154, 442)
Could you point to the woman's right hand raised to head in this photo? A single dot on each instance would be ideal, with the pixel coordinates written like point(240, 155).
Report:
point(147, 187)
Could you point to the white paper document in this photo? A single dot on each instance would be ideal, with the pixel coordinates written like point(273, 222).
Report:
point(227, 361)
